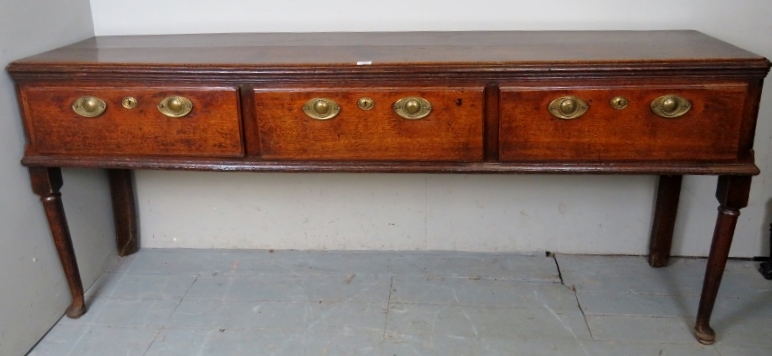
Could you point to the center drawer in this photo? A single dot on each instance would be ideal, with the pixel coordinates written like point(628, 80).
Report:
point(391, 124)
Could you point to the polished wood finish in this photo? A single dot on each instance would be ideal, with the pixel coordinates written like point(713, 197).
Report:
point(213, 128)
point(732, 194)
point(663, 224)
point(530, 132)
point(453, 130)
point(124, 211)
point(489, 91)
point(46, 183)
point(537, 49)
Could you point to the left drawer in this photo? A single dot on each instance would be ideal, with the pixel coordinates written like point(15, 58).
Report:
point(133, 121)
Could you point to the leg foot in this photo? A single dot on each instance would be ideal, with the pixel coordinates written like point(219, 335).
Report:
point(76, 310)
point(705, 334)
point(766, 269)
point(46, 183)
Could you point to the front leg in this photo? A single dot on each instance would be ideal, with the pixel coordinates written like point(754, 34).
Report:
point(732, 194)
point(46, 183)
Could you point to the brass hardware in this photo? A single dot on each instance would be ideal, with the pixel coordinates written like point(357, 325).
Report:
point(129, 102)
point(619, 102)
point(670, 106)
point(413, 108)
point(175, 106)
point(366, 103)
point(89, 106)
point(567, 107)
point(321, 108)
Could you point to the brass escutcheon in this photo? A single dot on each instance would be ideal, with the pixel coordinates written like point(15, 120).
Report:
point(619, 102)
point(321, 108)
point(670, 106)
point(567, 107)
point(413, 108)
point(175, 106)
point(89, 106)
point(366, 103)
point(129, 102)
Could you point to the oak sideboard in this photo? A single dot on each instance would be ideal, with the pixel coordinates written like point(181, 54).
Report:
point(665, 103)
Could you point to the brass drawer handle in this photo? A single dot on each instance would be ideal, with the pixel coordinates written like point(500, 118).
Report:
point(568, 107)
point(175, 106)
point(413, 108)
point(321, 108)
point(89, 106)
point(670, 106)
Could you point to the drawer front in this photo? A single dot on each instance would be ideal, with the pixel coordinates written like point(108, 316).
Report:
point(211, 128)
point(710, 130)
point(452, 130)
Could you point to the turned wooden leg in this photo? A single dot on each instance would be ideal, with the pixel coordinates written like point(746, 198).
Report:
point(666, 207)
point(732, 194)
point(46, 183)
point(124, 211)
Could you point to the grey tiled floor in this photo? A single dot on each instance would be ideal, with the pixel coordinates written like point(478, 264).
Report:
point(222, 302)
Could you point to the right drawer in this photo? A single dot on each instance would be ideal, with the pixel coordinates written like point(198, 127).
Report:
point(623, 123)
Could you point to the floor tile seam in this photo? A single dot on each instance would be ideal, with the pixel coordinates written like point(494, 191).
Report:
point(247, 274)
point(342, 273)
point(473, 305)
point(436, 277)
point(155, 337)
point(572, 288)
point(558, 311)
point(688, 341)
point(590, 314)
point(112, 325)
point(507, 337)
point(225, 329)
point(179, 302)
point(695, 294)
point(324, 330)
point(95, 298)
point(386, 315)
point(288, 301)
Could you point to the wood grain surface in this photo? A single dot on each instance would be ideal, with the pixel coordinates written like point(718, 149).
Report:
point(710, 130)
point(213, 127)
point(453, 130)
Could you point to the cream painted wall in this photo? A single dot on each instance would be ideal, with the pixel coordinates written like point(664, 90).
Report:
point(34, 293)
point(588, 214)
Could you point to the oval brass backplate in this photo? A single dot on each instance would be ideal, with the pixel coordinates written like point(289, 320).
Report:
point(175, 106)
point(670, 106)
point(568, 107)
point(89, 106)
point(321, 108)
point(413, 108)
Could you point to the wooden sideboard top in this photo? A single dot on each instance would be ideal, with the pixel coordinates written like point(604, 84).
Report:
point(533, 50)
